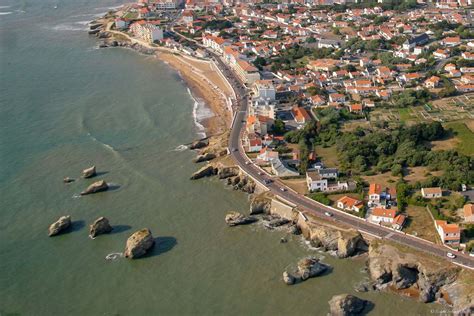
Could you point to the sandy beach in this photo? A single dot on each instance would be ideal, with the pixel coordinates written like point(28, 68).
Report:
point(206, 84)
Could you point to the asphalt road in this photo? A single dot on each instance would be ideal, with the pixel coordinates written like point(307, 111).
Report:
point(305, 204)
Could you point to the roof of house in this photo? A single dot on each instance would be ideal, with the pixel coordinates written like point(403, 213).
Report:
point(432, 190)
point(399, 220)
point(313, 175)
point(383, 212)
point(448, 228)
point(300, 114)
point(375, 188)
point(468, 210)
point(349, 202)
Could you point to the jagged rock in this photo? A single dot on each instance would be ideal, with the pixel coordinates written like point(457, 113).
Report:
point(235, 180)
point(204, 157)
point(68, 180)
point(226, 172)
point(349, 243)
point(363, 287)
point(260, 204)
point(63, 223)
point(346, 304)
point(288, 278)
point(96, 187)
point(405, 276)
point(236, 218)
point(310, 267)
point(139, 243)
point(100, 226)
point(89, 172)
point(277, 222)
point(199, 144)
point(205, 171)
point(294, 230)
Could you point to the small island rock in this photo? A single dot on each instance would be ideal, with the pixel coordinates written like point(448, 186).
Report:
point(89, 172)
point(95, 187)
point(139, 243)
point(346, 304)
point(205, 171)
point(204, 157)
point(68, 180)
point(199, 144)
point(63, 223)
point(288, 278)
point(100, 226)
point(236, 218)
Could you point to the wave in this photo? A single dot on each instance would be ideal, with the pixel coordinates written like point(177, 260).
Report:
point(114, 256)
point(200, 113)
point(6, 13)
point(103, 144)
point(74, 26)
point(180, 148)
point(5, 6)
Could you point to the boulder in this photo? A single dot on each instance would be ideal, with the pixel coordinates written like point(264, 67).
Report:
point(205, 171)
point(294, 230)
point(236, 218)
point(89, 172)
point(96, 187)
point(277, 222)
point(204, 157)
point(346, 304)
point(68, 180)
point(199, 144)
point(139, 243)
point(100, 226)
point(63, 223)
point(310, 267)
point(288, 278)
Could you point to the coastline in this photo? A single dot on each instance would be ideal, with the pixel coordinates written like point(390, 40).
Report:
point(205, 88)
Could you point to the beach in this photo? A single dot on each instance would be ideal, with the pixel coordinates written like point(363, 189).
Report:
point(207, 86)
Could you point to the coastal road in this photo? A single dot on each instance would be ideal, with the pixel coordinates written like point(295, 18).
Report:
point(308, 205)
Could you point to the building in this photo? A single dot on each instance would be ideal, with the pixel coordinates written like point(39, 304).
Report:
point(315, 182)
point(431, 193)
point(450, 234)
point(469, 212)
point(264, 89)
point(375, 192)
point(416, 41)
point(147, 32)
point(328, 173)
point(347, 203)
point(399, 221)
point(300, 115)
point(383, 216)
point(168, 4)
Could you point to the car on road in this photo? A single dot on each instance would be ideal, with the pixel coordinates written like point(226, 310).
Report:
point(282, 189)
point(247, 162)
point(260, 173)
point(234, 149)
point(451, 255)
point(328, 214)
point(471, 254)
point(267, 181)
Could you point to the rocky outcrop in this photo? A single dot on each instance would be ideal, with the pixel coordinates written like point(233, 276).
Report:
point(260, 204)
point(273, 221)
point(99, 226)
point(89, 172)
point(59, 226)
point(205, 171)
point(204, 157)
point(307, 268)
point(198, 144)
point(68, 180)
point(139, 243)
point(346, 243)
point(388, 266)
point(96, 187)
point(346, 304)
point(236, 218)
point(226, 172)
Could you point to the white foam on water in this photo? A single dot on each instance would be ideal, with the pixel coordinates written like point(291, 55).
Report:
point(200, 113)
point(6, 13)
point(180, 148)
point(76, 196)
point(114, 256)
point(70, 27)
point(103, 144)
point(4, 6)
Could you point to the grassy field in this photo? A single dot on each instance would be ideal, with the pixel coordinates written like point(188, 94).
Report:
point(420, 224)
point(415, 174)
point(404, 114)
point(299, 185)
point(384, 179)
point(465, 137)
point(328, 155)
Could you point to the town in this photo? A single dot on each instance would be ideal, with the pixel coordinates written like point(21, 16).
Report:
point(366, 107)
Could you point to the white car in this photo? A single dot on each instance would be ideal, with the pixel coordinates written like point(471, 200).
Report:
point(327, 214)
point(282, 189)
point(450, 255)
point(247, 162)
point(471, 254)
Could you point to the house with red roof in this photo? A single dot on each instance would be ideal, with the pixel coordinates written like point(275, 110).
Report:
point(450, 234)
point(347, 203)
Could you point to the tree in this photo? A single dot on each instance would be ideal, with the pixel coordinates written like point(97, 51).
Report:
point(278, 127)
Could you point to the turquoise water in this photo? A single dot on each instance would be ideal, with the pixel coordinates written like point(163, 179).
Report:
point(65, 105)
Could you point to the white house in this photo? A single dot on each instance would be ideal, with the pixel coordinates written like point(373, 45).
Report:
point(375, 192)
point(382, 215)
point(315, 182)
point(147, 32)
point(450, 234)
point(264, 89)
point(347, 203)
point(431, 193)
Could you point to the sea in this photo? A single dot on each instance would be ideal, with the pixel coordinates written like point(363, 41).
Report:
point(66, 105)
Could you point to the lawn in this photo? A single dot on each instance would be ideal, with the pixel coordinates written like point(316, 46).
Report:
point(404, 114)
point(420, 224)
point(384, 179)
point(328, 156)
point(465, 137)
point(415, 174)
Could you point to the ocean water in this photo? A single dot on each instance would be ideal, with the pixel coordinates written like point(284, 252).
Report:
point(64, 105)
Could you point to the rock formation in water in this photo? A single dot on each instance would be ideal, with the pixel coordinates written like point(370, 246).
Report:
point(236, 218)
point(68, 180)
point(96, 187)
point(139, 243)
point(204, 157)
point(307, 268)
point(205, 171)
point(198, 144)
point(99, 226)
point(346, 305)
point(260, 204)
point(89, 172)
point(63, 223)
